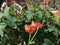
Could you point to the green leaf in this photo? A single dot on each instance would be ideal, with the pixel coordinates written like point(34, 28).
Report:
point(39, 14)
point(1, 14)
point(32, 42)
point(55, 33)
point(45, 44)
point(3, 41)
point(29, 15)
point(1, 32)
point(2, 27)
point(6, 10)
point(48, 42)
point(11, 11)
point(10, 19)
point(52, 28)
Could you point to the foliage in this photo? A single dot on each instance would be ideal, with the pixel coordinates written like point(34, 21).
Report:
point(12, 26)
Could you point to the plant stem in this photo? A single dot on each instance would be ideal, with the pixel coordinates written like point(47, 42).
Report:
point(29, 38)
point(34, 35)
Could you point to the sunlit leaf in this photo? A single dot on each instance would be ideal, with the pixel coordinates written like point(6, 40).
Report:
point(32, 42)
